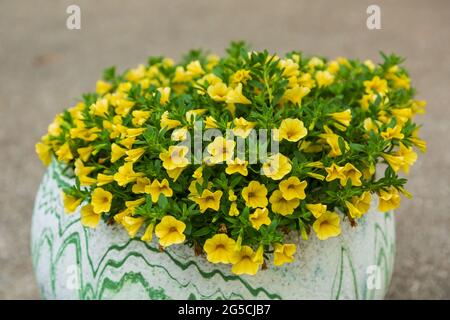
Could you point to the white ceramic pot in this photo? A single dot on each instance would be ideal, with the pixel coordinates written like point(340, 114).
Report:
point(72, 262)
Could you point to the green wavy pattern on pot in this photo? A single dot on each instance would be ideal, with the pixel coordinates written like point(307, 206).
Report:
point(72, 262)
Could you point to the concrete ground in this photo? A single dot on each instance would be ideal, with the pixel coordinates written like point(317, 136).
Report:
point(44, 67)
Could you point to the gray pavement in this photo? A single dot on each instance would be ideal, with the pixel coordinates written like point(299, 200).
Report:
point(44, 67)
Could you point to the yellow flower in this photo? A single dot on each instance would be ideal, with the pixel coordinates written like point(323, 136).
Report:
point(243, 262)
point(283, 253)
point(276, 166)
point(332, 140)
point(295, 94)
point(388, 199)
point(156, 188)
point(343, 117)
point(218, 91)
point(82, 173)
point(242, 127)
point(175, 157)
point(181, 75)
point(293, 188)
point(170, 231)
point(292, 130)
point(198, 173)
point(209, 200)
point(235, 96)
point(315, 62)
point(290, 68)
point(103, 179)
point(117, 152)
point(255, 195)
point(195, 68)
point(409, 157)
point(100, 107)
point(133, 155)
point(175, 173)
point(88, 217)
point(70, 203)
point(194, 114)
point(221, 150)
point(393, 133)
point(370, 125)
point(220, 248)
point(167, 123)
point(148, 233)
point(281, 205)
point(350, 172)
point(139, 117)
point(369, 64)
point(234, 211)
point(324, 78)
point(359, 205)
point(210, 123)
point(132, 225)
point(64, 154)
point(101, 200)
point(237, 165)
point(240, 76)
point(366, 100)
point(376, 85)
point(259, 217)
point(333, 67)
point(123, 106)
point(102, 87)
point(140, 185)
point(231, 195)
point(165, 95)
point(85, 153)
point(126, 174)
point(327, 226)
point(317, 209)
point(402, 115)
point(334, 172)
point(395, 161)
point(44, 153)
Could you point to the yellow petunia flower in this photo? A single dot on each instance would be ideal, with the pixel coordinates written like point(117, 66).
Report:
point(85, 153)
point(220, 150)
point(393, 133)
point(157, 188)
point(234, 211)
point(64, 154)
point(126, 174)
point(242, 127)
point(235, 96)
point(332, 140)
point(103, 179)
point(220, 248)
point(140, 117)
point(255, 195)
point(334, 172)
point(208, 200)
point(281, 205)
point(132, 225)
point(376, 85)
point(101, 200)
point(317, 209)
point(167, 123)
point(240, 76)
point(388, 199)
point(395, 161)
point(290, 68)
point(259, 217)
point(194, 68)
point(44, 153)
point(133, 155)
point(141, 185)
point(148, 233)
point(231, 196)
point(218, 92)
point(327, 225)
point(165, 95)
point(175, 157)
point(70, 203)
point(210, 123)
point(100, 107)
point(409, 157)
point(243, 262)
point(358, 206)
point(283, 253)
point(102, 87)
point(350, 172)
point(293, 188)
point(292, 130)
point(82, 172)
point(170, 231)
point(276, 166)
point(324, 78)
point(237, 166)
point(117, 152)
point(343, 117)
point(89, 218)
point(295, 94)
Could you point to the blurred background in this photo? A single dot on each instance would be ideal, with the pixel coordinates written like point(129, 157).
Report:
point(45, 67)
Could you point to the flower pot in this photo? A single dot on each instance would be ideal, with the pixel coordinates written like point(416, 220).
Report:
point(73, 262)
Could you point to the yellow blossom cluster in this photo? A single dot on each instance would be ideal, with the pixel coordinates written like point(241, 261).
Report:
point(130, 148)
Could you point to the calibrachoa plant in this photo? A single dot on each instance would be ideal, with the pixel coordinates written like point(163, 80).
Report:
point(334, 121)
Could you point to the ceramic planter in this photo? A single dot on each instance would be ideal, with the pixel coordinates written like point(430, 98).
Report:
point(73, 262)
